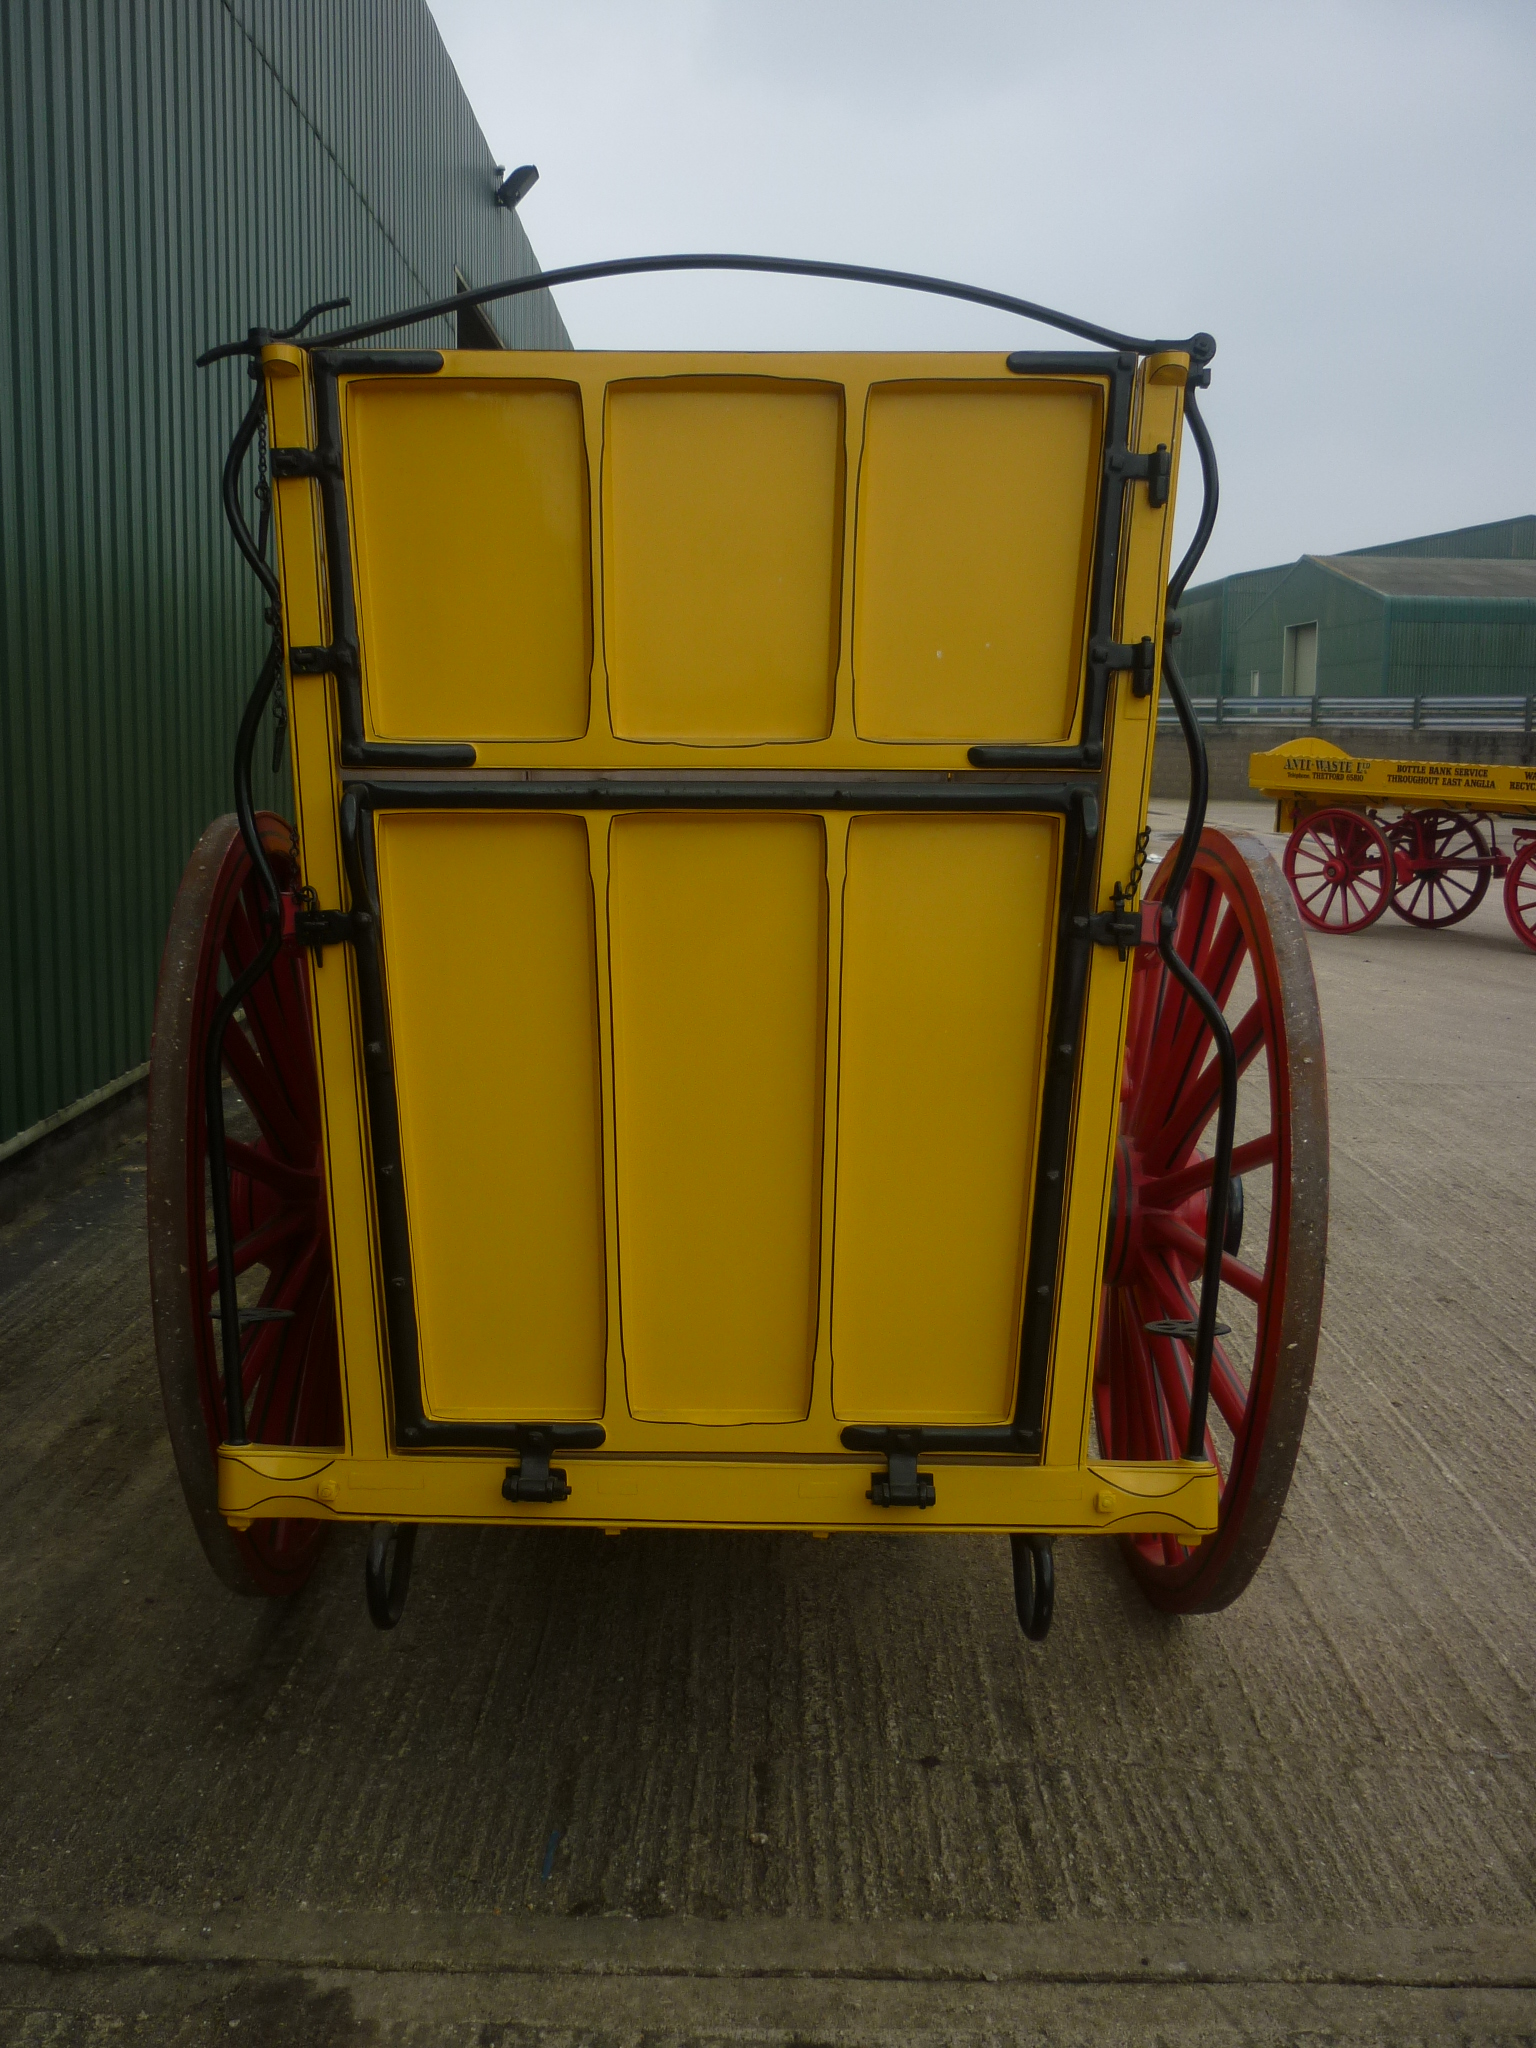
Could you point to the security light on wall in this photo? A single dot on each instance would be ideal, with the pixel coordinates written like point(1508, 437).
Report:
point(517, 186)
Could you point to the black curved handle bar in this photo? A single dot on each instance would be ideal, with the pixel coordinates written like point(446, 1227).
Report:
point(1200, 348)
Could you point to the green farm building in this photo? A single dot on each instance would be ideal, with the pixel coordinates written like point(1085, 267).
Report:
point(1444, 615)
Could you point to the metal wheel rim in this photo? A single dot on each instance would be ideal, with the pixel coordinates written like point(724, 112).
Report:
point(1439, 894)
point(293, 1375)
point(1238, 925)
point(1347, 902)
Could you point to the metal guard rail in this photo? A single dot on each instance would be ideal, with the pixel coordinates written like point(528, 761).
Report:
point(1414, 714)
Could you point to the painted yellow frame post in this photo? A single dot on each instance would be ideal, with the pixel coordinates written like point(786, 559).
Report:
point(718, 1116)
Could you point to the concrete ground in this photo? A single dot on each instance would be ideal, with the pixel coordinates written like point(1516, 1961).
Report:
point(763, 1789)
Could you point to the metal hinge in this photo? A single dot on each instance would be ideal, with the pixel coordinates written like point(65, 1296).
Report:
point(901, 1485)
point(302, 462)
point(339, 660)
point(1138, 657)
point(1123, 928)
point(1154, 470)
point(306, 924)
point(534, 1480)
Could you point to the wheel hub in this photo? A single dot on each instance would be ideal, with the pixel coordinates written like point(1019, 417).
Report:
point(1130, 1210)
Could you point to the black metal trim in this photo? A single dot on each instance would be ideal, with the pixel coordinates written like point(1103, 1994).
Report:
point(884, 1438)
point(413, 1429)
point(1199, 347)
point(325, 463)
point(1102, 648)
point(1074, 955)
point(1078, 804)
point(1058, 1099)
point(1045, 362)
point(701, 792)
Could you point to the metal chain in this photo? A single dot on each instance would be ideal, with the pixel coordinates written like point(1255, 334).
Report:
point(1139, 864)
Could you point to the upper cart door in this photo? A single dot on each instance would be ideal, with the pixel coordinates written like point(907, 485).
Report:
point(716, 747)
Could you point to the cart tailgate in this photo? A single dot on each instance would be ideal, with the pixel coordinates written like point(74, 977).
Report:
point(762, 1086)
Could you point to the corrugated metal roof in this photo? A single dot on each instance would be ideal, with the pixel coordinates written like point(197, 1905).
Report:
point(1434, 576)
point(1509, 539)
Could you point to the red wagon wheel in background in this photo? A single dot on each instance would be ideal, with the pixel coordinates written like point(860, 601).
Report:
point(1238, 930)
point(1340, 867)
point(1448, 863)
point(277, 1198)
point(1520, 895)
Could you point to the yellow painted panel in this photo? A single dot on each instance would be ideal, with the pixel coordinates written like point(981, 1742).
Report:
point(722, 543)
point(470, 505)
point(946, 929)
point(718, 936)
point(972, 559)
point(490, 961)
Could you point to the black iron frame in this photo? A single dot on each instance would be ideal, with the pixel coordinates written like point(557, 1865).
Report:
point(342, 656)
point(1078, 803)
point(966, 795)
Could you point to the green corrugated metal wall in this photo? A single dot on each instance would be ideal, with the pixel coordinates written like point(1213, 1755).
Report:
point(1350, 619)
point(1368, 644)
point(174, 171)
point(1457, 647)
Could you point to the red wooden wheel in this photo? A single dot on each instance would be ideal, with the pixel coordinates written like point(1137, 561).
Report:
point(291, 1367)
point(1340, 867)
point(1239, 931)
point(1448, 863)
point(1520, 896)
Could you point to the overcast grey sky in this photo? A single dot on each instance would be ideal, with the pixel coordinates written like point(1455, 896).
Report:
point(1344, 194)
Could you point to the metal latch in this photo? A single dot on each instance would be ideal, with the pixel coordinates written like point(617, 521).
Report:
point(1154, 470)
point(1123, 928)
point(1137, 656)
point(534, 1480)
point(901, 1485)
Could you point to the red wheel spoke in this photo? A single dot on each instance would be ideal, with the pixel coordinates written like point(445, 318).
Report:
point(1235, 1274)
point(1168, 1190)
point(264, 1098)
point(1163, 1436)
point(283, 1391)
point(268, 1335)
point(257, 1249)
point(297, 1183)
point(1194, 1111)
point(1172, 1230)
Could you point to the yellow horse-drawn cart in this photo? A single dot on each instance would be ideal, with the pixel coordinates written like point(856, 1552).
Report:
point(699, 1056)
point(1419, 838)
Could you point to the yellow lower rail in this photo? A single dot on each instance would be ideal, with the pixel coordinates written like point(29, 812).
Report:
point(1103, 1498)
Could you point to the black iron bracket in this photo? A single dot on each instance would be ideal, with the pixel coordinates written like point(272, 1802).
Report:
point(901, 1485)
point(534, 1480)
point(325, 465)
point(306, 924)
point(1154, 469)
point(1123, 928)
point(1117, 657)
point(300, 462)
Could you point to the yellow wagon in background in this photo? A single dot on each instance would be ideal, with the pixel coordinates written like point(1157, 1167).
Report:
point(1419, 838)
point(699, 1056)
